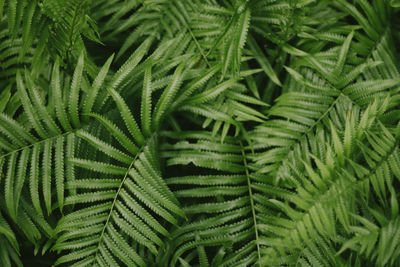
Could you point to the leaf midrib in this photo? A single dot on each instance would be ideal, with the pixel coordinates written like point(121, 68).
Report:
point(297, 141)
point(39, 142)
point(117, 195)
point(251, 201)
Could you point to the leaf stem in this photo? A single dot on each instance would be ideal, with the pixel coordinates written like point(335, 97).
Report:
point(251, 201)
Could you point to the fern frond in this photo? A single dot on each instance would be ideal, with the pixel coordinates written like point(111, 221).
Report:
point(339, 177)
point(34, 149)
point(309, 112)
point(222, 208)
point(199, 133)
point(138, 203)
point(69, 21)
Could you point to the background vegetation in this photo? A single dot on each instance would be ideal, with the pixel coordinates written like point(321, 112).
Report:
point(199, 133)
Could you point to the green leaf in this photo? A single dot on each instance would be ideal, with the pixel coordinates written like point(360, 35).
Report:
point(74, 92)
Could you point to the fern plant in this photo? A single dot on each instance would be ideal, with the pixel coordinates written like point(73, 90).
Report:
point(199, 133)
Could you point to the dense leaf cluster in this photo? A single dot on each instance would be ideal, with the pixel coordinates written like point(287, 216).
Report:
point(199, 133)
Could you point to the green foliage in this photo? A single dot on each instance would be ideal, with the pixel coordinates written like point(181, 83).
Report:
point(199, 133)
